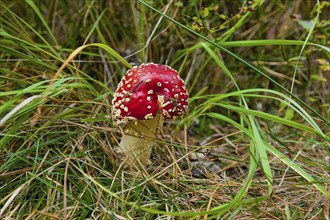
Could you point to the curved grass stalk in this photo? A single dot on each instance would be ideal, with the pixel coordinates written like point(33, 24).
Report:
point(261, 42)
point(239, 59)
point(258, 145)
point(276, 153)
point(212, 100)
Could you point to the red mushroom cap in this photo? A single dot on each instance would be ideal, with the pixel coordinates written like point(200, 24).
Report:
point(145, 89)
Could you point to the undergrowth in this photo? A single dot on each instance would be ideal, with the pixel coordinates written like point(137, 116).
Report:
point(254, 143)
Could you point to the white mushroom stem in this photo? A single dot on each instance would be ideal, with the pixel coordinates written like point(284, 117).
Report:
point(138, 140)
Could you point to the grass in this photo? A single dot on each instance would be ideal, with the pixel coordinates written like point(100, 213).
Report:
point(254, 144)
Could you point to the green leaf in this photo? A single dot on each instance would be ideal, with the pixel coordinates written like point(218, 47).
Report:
point(205, 12)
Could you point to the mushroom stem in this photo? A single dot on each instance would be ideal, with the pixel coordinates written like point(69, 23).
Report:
point(138, 140)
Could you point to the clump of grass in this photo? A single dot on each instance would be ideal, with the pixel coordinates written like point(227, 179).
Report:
point(255, 143)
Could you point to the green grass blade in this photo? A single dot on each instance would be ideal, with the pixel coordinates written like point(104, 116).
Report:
point(212, 100)
point(112, 52)
point(271, 42)
point(260, 148)
point(298, 169)
point(239, 59)
point(276, 153)
point(41, 17)
point(262, 42)
point(275, 118)
point(310, 32)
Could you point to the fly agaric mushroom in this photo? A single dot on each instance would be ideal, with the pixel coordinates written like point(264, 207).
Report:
point(144, 97)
